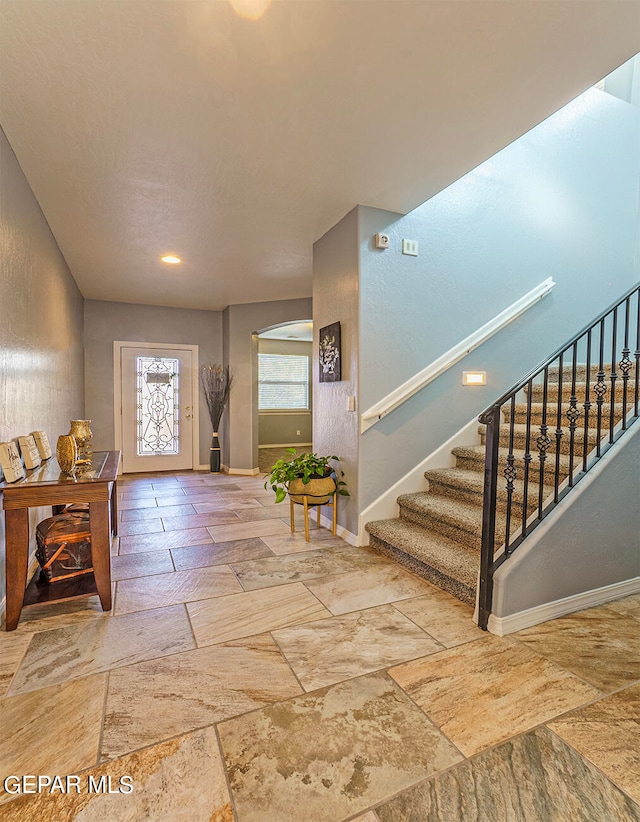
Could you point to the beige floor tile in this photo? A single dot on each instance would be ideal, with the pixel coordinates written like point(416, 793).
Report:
point(195, 689)
point(330, 753)
point(444, 617)
point(331, 650)
point(364, 589)
point(52, 731)
point(212, 507)
point(535, 777)
point(288, 543)
point(52, 615)
point(259, 512)
point(245, 530)
point(136, 514)
point(136, 503)
point(599, 645)
point(146, 593)
point(140, 526)
point(629, 606)
point(13, 647)
point(254, 612)
point(164, 541)
point(94, 646)
point(607, 733)
point(198, 520)
point(220, 553)
point(141, 565)
point(485, 692)
point(311, 564)
point(181, 780)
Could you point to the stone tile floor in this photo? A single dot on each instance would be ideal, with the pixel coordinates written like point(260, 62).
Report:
point(248, 675)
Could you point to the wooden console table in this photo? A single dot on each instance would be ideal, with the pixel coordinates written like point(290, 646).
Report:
point(46, 486)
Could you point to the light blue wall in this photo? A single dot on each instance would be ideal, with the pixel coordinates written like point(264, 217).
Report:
point(560, 202)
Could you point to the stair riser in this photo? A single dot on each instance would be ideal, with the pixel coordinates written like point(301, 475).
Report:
point(581, 370)
point(520, 416)
point(446, 528)
point(519, 442)
point(534, 468)
point(472, 497)
point(452, 586)
point(537, 392)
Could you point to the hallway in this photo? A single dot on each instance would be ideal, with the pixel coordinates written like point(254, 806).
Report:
point(248, 675)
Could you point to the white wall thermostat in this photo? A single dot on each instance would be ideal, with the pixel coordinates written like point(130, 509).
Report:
point(381, 240)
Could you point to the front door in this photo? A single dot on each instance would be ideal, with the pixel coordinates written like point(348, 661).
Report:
point(157, 408)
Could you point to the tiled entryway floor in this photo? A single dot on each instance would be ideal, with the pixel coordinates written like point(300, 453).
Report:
point(246, 674)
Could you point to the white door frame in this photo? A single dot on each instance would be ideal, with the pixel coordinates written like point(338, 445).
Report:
point(118, 345)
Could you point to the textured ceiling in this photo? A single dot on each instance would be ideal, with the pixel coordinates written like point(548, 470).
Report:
point(161, 126)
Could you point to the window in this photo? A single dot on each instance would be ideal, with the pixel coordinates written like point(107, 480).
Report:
point(283, 382)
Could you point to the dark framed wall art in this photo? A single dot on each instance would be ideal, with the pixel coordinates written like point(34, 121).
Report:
point(329, 342)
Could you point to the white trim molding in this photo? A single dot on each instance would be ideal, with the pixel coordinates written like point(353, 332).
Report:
point(341, 531)
point(501, 626)
point(449, 358)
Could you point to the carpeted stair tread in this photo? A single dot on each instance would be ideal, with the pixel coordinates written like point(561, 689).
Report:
point(468, 486)
point(450, 561)
point(520, 413)
point(457, 520)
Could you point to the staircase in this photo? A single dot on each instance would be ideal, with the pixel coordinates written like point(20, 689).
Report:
point(438, 534)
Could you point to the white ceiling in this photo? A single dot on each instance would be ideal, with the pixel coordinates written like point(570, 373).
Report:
point(162, 126)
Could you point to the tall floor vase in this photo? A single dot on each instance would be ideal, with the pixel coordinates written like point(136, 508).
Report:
point(214, 454)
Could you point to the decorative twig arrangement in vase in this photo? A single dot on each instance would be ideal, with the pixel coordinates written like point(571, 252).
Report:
point(216, 381)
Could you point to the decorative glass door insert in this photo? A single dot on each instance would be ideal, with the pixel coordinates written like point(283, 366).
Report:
point(157, 406)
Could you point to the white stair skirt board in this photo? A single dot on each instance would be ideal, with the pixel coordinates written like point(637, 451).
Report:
point(501, 626)
point(386, 506)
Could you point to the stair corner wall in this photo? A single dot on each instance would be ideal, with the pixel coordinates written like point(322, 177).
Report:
point(586, 551)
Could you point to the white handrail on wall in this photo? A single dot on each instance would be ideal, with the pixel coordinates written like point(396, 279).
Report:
point(452, 356)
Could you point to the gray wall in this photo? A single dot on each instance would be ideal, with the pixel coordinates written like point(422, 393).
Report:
point(560, 202)
point(241, 323)
point(41, 359)
point(107, 321)
point(335, 298)
point(599, 522)
point(281, 427)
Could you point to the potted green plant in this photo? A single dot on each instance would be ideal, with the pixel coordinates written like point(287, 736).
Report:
point(306, 475)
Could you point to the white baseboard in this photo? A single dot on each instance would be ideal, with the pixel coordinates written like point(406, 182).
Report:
point(287, 445)
point(240, 472)
point(386, 506)
point(501, 626)
point(341, 531)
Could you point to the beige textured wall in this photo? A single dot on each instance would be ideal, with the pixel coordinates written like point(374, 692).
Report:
point(41, 318)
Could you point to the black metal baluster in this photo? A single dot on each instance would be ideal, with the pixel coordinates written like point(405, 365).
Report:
point(559, 432)
point(543, 442)
point(510, 473)
point(614, 376)
point(625, 363)
point(600, 388)
point(573, 413)
point(587, 404)
point(527, 460)
point(492, 439)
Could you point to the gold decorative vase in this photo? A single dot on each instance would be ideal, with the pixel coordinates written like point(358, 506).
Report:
point(66, 453)
point(81, 432)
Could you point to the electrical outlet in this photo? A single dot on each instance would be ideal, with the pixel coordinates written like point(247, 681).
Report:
point(381, 240)
point(297, 433)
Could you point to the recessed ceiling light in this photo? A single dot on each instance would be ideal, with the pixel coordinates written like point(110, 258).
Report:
point(169, 258)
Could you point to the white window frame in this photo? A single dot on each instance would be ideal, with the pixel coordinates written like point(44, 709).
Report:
point(283, 409)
